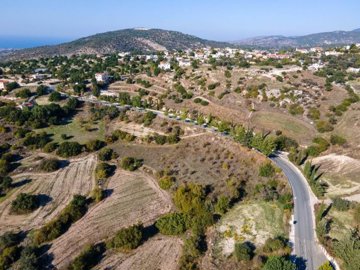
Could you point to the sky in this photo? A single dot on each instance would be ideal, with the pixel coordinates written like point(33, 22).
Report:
point(38, 22)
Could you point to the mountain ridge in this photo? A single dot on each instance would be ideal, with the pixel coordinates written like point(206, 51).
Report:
point(140, 40)
point(323, 39)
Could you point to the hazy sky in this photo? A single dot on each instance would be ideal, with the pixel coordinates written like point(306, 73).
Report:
point(213, 19)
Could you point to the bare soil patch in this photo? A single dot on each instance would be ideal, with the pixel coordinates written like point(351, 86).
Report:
point(158, 253)
point(56, 189)
point(133, 197)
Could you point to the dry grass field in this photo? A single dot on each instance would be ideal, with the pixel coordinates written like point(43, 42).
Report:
point(56, 190)
point(158, 253)
point(132, 197)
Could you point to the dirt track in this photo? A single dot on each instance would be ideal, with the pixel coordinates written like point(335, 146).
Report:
point(159, 253)
point(56, 190)
point(134, 197)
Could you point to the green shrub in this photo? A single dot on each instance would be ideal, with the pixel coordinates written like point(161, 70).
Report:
point(24, 93)
point(326, 266)
point(166, 182)
point(94, 145)
point(5, 183)
point(72, 212)
point(357, 214)
point(130, 163)
point(122, 135)
point(103, 170)
point(127, 239)
point(24, 204)
point(55, 96)
point(284, 143)
point(88, 258)
point(267, 170)
point(50, 165)
point(275, 244)
point(313, 114)
point(171, 224)
point(106, 154)
point(243, 252)
point(278, 263)
point(148, 118)
point(50, 147)
point(29, 259)
point(341, 204)
point(222, 204)
point(336, 139)
point(295, 109)
point(97, 194)
point(69, 149)
point(324, 126)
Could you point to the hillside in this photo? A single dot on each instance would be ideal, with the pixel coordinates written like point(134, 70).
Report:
point(312, 40)
point(132, 40)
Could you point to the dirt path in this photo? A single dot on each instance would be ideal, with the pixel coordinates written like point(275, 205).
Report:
point(135, 197)
point(159, 253)
point(57, 190)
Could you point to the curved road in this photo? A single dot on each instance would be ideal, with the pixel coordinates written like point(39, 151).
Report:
point(306, 249)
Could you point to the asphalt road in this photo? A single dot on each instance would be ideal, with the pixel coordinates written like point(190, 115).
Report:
point(307, 251)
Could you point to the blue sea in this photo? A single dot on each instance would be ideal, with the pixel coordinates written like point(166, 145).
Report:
point(10, 42)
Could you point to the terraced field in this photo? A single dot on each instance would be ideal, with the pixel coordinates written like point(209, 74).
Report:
point(56, 190)
point(133, 197)
point(159, 253)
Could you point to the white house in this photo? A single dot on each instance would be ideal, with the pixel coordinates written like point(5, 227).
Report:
point(102, 77)
point(353, 70)
point(165, 65)
point(38, 76)
point(2, 84)
point(184, 63)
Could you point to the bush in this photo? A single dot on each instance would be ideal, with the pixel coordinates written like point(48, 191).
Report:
point(11, 86)
point(50, 165)
point(222, 204)
point(88, 258)
point(24, 93)
point(69, 149)
point(357, 214)
point(267, 170)
point(5, 183)
point(72, 212)
point(42, 90)
point(106, 154)
point(122, 135)
point(278, 263)
point(171, 224)
point(295, 109)
point(103, 170)
point(55, 96)
point(285, 143)
point(29, 259)
point(9, 252)
point(130, 163)
point(148, 118)
point(127, 238)
point(243, 252)
point(275, 244)
point(326, 266)
point(24, 204)
point(50, 147)
point(341, 204)
point(94, 145)
point(324, 126)
point(336, 139)
point(97, 194)
point(166, 182)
